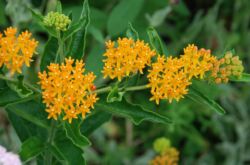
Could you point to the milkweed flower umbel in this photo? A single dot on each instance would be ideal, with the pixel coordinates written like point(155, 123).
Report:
point(196, 61)
point(16, 50)
point(57, 20)
point(126, 57)
point(67, 91)
point(167, 79)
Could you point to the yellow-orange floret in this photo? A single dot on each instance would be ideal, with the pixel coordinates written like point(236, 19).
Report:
point(169, 157)
point(196, 61)
point(16, 51)
point(67, 91)
point(167, 79)
point(127, 57)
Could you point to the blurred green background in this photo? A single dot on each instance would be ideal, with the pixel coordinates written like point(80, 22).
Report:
point(202, 136)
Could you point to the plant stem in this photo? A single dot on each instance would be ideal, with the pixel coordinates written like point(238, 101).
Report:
point(108, 89)
point(59, 54)
point(25, 83)
point(48, 156)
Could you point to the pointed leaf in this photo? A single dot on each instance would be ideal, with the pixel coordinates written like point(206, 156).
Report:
point(77, 48)
point(131, 32)
point(134, 112)
point(126, 11)
point(94, 121)
point(74, 134)
point(155, 40)
point(31, 148)
point(199, 97)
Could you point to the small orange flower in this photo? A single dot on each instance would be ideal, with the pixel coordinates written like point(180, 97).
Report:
point(167, 79)
point(66, 91)
point(170, 157)
point(127, 57)
point(16, 51)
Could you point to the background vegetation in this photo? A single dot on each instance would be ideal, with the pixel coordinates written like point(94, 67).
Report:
point(201, 136)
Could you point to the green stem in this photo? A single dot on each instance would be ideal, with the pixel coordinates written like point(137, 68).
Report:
point(108, 89)
point(25, 83)
point(59, 54)
point(48, 156)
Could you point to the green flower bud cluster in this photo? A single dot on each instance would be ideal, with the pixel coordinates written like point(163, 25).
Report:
point(57, 20)
point(161, 145)
point(234, 64)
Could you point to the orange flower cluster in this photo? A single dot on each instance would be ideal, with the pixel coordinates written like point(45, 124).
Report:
point(67, 91)
point(196, 61)
point(169, 157)
point(227, 66)
point(127, 57)
point(15, 51)
point(168, 79)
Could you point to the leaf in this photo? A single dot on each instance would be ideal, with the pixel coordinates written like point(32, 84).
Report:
point(32, 112)
point(155, 40)
point(245, 77)
point(134, 112)
point(9, 96)
point(126, 11)
point(114, 95)
point(31, 148)
point(59, 6)
point(159, 16)
point(72, 153)
point(39, 19)
point(20, 88)
point(74, 134)
point(97, 34)
point(57, 154)
point(94, 121)
point(199, 97)
point(49, 53)
point(77, 48)
point(131, 32)
point(73, 29)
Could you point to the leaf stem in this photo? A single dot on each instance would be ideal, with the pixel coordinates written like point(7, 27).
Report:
point(108, 89)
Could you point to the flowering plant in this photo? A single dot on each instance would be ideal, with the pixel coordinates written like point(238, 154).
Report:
point(68, 102)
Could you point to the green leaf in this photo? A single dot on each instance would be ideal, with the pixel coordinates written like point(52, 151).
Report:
point(31, 148)
point(3, 20)
point(199, 97)
point(49, 53)
point(155, 40)
point(126, 11)
point(68, 150)
point(131, 32)
point(115, 95)
point(73, 29)
point(77, 48)
point(59, 6)
point(94, 121)
point(133, 112)
point(39, 19)
point(57, 154)
point(9, 96)
point(32, 112)
point(74, 134)
point(245, 77)
point(20, 88)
